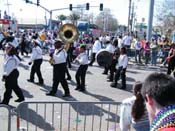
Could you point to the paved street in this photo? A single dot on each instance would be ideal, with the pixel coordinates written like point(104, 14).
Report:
point(98, 89)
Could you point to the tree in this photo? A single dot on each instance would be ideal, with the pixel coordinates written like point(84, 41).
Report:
point(106, 21)
point(74, 17)
point(61, 17)
point(165, 17)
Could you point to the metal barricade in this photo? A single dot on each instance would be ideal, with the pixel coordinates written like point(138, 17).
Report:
point(5, 117)
point(68, 116)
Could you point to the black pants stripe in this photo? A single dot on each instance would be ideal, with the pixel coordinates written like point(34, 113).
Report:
point(92, 58)
point(36, 68)
point(80, 76)
point(121, 73)
point(59, 71)
point(11, 83)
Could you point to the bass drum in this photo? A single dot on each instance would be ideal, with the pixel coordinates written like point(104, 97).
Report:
point(104, 58)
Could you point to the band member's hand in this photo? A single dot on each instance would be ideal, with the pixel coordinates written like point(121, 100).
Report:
point(30, 63)
point(4, 78)
point(51, 54)
point(123, 70)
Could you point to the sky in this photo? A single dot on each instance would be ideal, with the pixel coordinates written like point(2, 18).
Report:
point(119, 9)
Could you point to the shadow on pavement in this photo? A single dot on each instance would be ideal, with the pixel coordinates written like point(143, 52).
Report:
point(36, 119)
point(27, 94)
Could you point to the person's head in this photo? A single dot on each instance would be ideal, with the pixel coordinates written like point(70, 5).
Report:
point(147, 43)
point(97, 38)
point(35, 43)
point(158, 90)
point(115, 42)
point(123, 50)
point(58, 44)
point(10, 47)
point(138, 107)
point(173, 46)
point(82, 48)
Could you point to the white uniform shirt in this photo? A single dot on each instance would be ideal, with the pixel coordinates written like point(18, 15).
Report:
point(110, 48)
point(127, 40)
point(122, 61)
point(96, 47)
point(82, 58)
point(126, 119)
point(120, 43)
point(137, 45)
point(10, 63)
point(36, 53)
point(60, 57)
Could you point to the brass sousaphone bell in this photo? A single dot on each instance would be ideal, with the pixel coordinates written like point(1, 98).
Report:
point(68, 33)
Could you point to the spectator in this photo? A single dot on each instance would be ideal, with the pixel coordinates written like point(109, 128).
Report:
point(133, 111)
point(154, 51)
point(171, 60)
point(138, 47)
point(158, 90)
point(147, 52)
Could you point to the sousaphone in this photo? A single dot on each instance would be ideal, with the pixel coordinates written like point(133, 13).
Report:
point(68, 33)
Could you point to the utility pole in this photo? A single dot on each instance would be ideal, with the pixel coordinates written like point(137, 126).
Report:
point(150, 20)
point(50, 21)
point(8, 4)
point(129, 14)
point(132, 17)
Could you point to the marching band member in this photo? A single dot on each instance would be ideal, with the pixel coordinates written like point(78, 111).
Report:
point(115, 57)
point(59, 69)
point(36, 58)
point(95, 48)
point(81, 59)
point(110, 48)
point(11, 73)
point(121, 69)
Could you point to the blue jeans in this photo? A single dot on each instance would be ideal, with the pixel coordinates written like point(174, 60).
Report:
point(154, 57)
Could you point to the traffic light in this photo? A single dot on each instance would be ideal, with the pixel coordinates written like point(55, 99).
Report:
point(27, 1)
point(87, 6)
point(38, 2)
point(70, 7)
point(101, 7)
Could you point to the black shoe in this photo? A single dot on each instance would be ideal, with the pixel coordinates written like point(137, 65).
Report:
point(109, 80)
point(66, 95)
point(77, 88)
point(113, 85)
point(50, 94)
point(29, 80)
point(69, 78)
point(19, 100)
point(40, 83)
point(83, 90)
point(104, 73)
